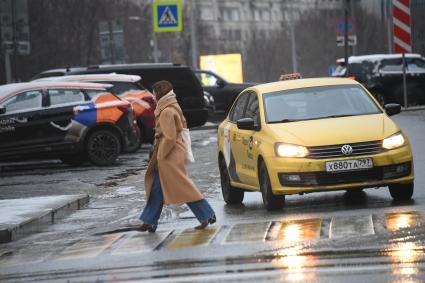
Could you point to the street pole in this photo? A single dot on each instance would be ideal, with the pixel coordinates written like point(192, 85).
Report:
point(193, 46)
point(346, 3)
point(154, 40)
point(389, 20)
point(404, 80)
point(15, 43)
point(7, 66)
point(293, 43)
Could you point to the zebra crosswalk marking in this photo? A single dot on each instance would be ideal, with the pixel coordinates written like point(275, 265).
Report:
point(139, 242)
point(90, 247)
point(191, 237)
point(348, 226)
point(399, 220)
point(298, 230)
point(248, 232)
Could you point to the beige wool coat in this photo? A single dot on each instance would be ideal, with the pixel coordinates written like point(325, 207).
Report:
point(169, 155)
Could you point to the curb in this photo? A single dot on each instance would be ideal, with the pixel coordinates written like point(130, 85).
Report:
point(412, 108)
point(10, 233)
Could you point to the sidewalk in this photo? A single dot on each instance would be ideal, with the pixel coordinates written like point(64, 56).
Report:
point(21, 217)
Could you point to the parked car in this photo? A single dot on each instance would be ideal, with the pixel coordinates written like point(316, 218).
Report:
point(187, 88)
point(311, 135)
point(73, 121)
point(127, 87)
point(223, 92)
point(382, 75)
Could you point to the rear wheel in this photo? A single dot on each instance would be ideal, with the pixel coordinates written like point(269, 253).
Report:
point(103, 147)
point(231, 195)
point(401, 191)
point(270, 200)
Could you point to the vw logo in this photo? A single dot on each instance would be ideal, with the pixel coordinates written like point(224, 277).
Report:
point(346, 149)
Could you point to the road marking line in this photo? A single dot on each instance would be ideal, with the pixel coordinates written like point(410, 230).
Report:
point(298, 230)
point(138, 242)
point(348, 226)
point(399, 220)
point(90, 247)
point(243, 232)
point(191, 237)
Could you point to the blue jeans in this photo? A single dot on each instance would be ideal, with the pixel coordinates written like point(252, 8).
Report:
point(153, 208)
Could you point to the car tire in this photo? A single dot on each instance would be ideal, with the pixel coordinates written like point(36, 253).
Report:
point(401, 192)
point(380, 98)
point(270, 200)
point(103, 147)
point(231, 195)
point(73, 160)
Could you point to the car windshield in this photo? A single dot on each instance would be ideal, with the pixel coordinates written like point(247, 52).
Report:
point(317, 103)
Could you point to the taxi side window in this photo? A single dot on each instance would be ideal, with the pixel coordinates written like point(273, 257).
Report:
point(239, 108)
point(30, 100)
point(65, 96)
point(252, 109)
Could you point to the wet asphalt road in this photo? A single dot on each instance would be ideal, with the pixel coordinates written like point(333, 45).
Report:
point(323, 237)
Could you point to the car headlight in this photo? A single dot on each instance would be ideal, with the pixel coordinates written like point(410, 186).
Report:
point(393, 141)
point(290, 150)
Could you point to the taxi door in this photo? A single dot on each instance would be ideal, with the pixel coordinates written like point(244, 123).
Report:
point(233, 148)
point(247, 152)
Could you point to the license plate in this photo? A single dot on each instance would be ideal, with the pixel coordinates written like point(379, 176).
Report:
point(349, 165)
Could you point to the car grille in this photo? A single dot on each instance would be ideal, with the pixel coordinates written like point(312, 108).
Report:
point(330, 151)
point(327, 178)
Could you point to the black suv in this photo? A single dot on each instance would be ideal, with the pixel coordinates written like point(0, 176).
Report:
point(223, 92)
point(382, 75)
point(186, 86)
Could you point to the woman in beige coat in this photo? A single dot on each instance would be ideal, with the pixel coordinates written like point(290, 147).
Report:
point(166, 179)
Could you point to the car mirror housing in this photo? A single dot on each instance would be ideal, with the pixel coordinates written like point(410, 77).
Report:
point(220, 83)
point(2, 110)
point(392, 108)
point(246, 124)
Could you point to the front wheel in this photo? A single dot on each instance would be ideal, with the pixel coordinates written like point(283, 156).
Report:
point(401, 191)
point(231, 195)
point(270, 200)
point(103, 147)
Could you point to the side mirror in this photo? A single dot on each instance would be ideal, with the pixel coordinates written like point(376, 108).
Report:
point(392, 109)
point(220, 83)
point(2, 110)
point(246, 124)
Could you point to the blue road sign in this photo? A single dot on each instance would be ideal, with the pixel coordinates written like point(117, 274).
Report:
point(167, 16)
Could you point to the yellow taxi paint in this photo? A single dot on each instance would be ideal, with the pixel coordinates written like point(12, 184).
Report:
point(309, 133)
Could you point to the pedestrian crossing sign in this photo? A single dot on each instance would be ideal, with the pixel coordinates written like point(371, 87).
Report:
point(167, 16)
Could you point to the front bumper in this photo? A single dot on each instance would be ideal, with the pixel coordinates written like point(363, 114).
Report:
point(293, 175)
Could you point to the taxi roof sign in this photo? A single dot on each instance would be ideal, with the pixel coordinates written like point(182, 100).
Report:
point(167, 16)
point(287, 77)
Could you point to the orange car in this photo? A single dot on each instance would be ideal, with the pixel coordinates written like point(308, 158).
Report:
point(127, 87)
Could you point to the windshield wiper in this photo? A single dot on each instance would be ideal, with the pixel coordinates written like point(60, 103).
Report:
point(284, 121)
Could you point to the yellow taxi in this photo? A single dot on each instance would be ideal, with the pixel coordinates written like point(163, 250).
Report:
point(311, 135)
